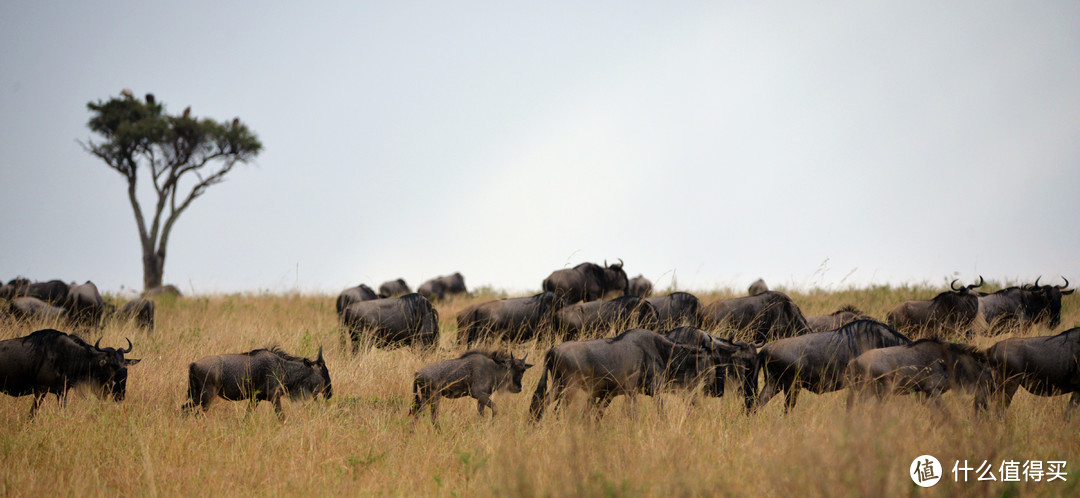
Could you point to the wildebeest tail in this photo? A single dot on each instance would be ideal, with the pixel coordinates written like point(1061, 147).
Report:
point(539, 399)
point(195, 389)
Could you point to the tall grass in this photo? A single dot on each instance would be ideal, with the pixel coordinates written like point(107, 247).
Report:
point(361, 442)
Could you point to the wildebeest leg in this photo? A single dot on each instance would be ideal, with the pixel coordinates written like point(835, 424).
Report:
point(434, 403)
point(482, 400)
point(39, 397)
point(791, 395)
point(767, 392)
point(1005, 394)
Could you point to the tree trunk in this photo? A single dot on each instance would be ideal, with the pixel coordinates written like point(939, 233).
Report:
point(153, 268)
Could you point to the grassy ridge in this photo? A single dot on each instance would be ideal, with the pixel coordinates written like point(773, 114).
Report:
point(362, 442)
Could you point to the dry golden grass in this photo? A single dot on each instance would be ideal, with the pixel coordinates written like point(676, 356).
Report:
point(362, 442)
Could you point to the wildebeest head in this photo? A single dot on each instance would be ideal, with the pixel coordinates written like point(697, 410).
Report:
point(615, 277)
point(1046, 301)
point(316, 379)
point(956, 308)
point(108, 368)
point(691, 364)
point(515, 370)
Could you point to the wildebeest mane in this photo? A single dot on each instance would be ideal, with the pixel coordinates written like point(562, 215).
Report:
point(850, 334)
point(416, 304)
point(43, 338)
point(274, 350)
point(848, 308)
point(493, 354)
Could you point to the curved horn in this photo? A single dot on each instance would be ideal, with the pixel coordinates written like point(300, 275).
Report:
point(620, 263)
point(125, 351)
point(980, 284)
point(319, 358)
point(1037, 281)
point(1066, 283)
point(952, 285)
point(526, 356)
point(98, 342)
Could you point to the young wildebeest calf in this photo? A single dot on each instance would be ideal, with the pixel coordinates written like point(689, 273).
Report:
point(259, 375)
point(927, 367)
point(475, 373)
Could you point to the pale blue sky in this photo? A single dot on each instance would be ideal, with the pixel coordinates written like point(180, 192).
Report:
point(813, 144)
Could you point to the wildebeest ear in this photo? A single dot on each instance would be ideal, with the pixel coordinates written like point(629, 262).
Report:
point(319, 358)
point(528, 366)
point(131, 361)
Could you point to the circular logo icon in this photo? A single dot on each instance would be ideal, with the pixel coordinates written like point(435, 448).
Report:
point(925, 471)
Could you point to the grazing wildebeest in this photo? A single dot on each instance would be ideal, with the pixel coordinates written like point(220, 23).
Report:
point(620, 313)
point(354, 295)
point(393, 288)
point(50, 361)
point(587, 282)
point(639, 286)
point(928, 367)
point(636, 361)
point(766, 316)
point(475, 373)
point(1045, 366)
point(394, 321)
point(84, 304)
point(675, 310)
point(817, 361)
point(514, 319)
point(258, 375)
point(139, 310)
point(835, 320)
point(733, 360)
point(439, 288)
point(757, 287)
point(53, 292)
point(1051, 296)
point(163, 290)
point(949, 311)
point(32, 308)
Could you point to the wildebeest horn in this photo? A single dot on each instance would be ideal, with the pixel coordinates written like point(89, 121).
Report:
point(125, 351)
point(319, 358)
point(620, 263)
point(1037, 281)
point(526, 356)
point(952, 285)
point(98, 342)
point(1066, 283)
point(981, 282)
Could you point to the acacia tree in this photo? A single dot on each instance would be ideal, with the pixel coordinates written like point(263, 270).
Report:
point(137, 135)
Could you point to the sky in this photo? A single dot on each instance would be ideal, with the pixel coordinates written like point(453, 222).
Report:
point(705, 144)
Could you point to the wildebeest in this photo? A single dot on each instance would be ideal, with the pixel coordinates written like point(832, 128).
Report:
point(439, 288)
point(949, 311)
point(636, 361)
point(475, 373)
point(393, 321)
point(84, 304)
point(587, 282)
point(50, 361)
point(817, 361)
point(639, 286)
point(764, 317)
point(392, 288)
point(257, 375)
point(733, 360)
point(1051, 296)
point(140, 311)
point(513, 319)
point(835, 320)
point(1045, 366)
point(757, 287)
point(53, 292)
point(675, 310)
point(32, 308)
point(621, 313)
point(928, 367)
point(1011, 307)
point(354, 295)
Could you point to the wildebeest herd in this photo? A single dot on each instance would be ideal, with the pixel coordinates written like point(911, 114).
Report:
point(609, 337)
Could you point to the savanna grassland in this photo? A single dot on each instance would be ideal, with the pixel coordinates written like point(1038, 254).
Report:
point(362, 442)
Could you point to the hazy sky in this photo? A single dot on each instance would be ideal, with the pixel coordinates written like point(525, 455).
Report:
point(809, 143)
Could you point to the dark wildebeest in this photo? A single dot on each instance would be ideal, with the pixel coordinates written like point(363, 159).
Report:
point(1051, 296)
point(928, 367)
point(1045, 366)
point(353, 295)
point(757, 287)
point(84, 304)
point(733, 360)
point(764, 317)
point(587, 282)
point(514, 319)
point(676, 310)
point(32, 308)
point(835, 320)
point(949, 311)
point(440, 288)
point(139, 310)
point(50, 361)
point(258, 375)
point(639, 286)
point(636, 361)
point(394, 288)
point(14, 288)
point(394, 321)
point(53, 292)
point(817, 361)
point(163, 290)
point(621, 313)
point(1011, 308)
point(476, 373)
